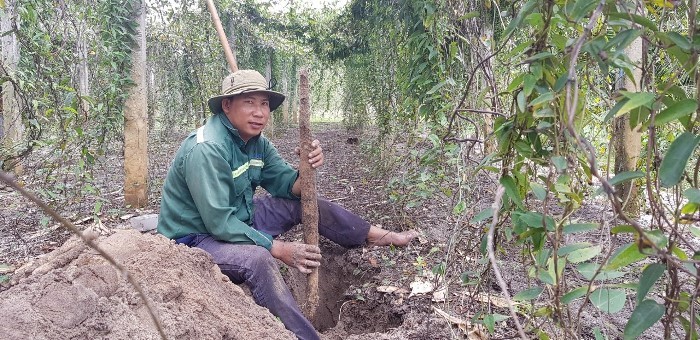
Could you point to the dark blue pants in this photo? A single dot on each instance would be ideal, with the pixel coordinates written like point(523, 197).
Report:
point(255, 266)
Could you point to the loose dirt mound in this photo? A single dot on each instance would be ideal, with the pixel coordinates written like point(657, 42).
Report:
point(74, 293)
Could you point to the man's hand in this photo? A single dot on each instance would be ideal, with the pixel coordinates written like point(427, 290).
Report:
point(315, 156)
point(302, 256)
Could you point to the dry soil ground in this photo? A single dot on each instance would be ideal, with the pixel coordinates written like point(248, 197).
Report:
point(56, 288)
point(59, 288)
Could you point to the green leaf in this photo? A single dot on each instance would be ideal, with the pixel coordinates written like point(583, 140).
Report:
point(693, 195)
point(515, 23)
point(613, 112)
point(636, 19)
point(544, 98)
point(598, 334)
point(584, 254)
point(623, 256)
point(582, 8)
point(677, 155)
point(459, 208)
point(537, 220)
point(511, 190)
point(528, 294)
point(621, 178)
point(567, 249)
point(587, 270)
point(560, 163)
point(608, 300)
point(538, 56)
point(695, 231)
point(575, 294)
point(647, 313)
point(624, 228)
point(483, 215)
point(675, 111)
point(650, 275)
point(579, 227)
point(520, 99)
point(680, 41)
point(636, 99)
point(539, 191)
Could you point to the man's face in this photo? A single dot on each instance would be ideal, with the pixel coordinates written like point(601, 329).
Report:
point(248, 113)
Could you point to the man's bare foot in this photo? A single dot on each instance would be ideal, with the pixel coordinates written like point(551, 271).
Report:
point(380, 237)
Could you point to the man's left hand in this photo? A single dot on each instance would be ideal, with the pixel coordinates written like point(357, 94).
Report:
point(315, 156)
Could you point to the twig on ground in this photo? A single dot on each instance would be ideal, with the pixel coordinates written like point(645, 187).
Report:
point(89, 241)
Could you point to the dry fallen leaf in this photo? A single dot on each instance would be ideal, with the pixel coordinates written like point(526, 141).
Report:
point(495, 300)
point(391, 289)
point(373, 262)
point(421, 287)
point(473, 332)
point(440, 295)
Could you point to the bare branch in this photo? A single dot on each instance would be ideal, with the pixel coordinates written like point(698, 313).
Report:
point(496, 206)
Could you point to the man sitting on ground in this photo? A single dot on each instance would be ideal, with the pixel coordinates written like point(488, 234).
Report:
point(208, 200)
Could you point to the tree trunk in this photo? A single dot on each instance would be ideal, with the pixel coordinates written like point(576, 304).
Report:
point(628, 139)
point(270, 127)
point(232, 37)
point(309, 203)
point(285, 104)
point(135, 121)
point(12, 126)
point(83, 71)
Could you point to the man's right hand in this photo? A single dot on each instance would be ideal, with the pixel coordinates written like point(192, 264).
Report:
point(302, 256)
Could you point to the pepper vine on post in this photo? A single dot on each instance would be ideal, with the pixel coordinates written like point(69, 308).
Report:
point(309, 203)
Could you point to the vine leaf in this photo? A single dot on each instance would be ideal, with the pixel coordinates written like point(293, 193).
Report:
point(528, 294)
point(608, 300)
point(650, 275)
point(575, 294)
point(677, 155)
point(584, 254)
point(587, 270)
point(511, 190)
point(636, 99)
point(579, 227)
point(676, 110)
point(621, 178)
point(647, 313)
point(623, 256)
point(483, 215)
point(693, 195)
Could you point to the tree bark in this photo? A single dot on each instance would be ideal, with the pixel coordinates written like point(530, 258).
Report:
point(82, 67)
point(135, 121)
point(309, 203)
point(270, 127)
point(627, 139)
point(12, 126)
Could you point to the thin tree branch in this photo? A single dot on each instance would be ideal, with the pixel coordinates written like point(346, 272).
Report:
point(482, 111)
point(496, 206)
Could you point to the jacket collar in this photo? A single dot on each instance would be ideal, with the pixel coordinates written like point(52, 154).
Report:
point(233, 131)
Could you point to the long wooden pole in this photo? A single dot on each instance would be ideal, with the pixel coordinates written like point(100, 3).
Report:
point(309, 202)
point(233, 65)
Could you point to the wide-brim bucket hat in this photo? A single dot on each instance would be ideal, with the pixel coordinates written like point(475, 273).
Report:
point(244, 81)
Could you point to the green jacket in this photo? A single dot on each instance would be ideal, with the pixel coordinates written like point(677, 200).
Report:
point(210, 185)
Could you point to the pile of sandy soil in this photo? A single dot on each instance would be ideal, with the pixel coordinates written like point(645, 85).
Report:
point(74, 293)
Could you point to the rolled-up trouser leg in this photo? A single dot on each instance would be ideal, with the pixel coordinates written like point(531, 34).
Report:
point(277, 215)
point(255, 266)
